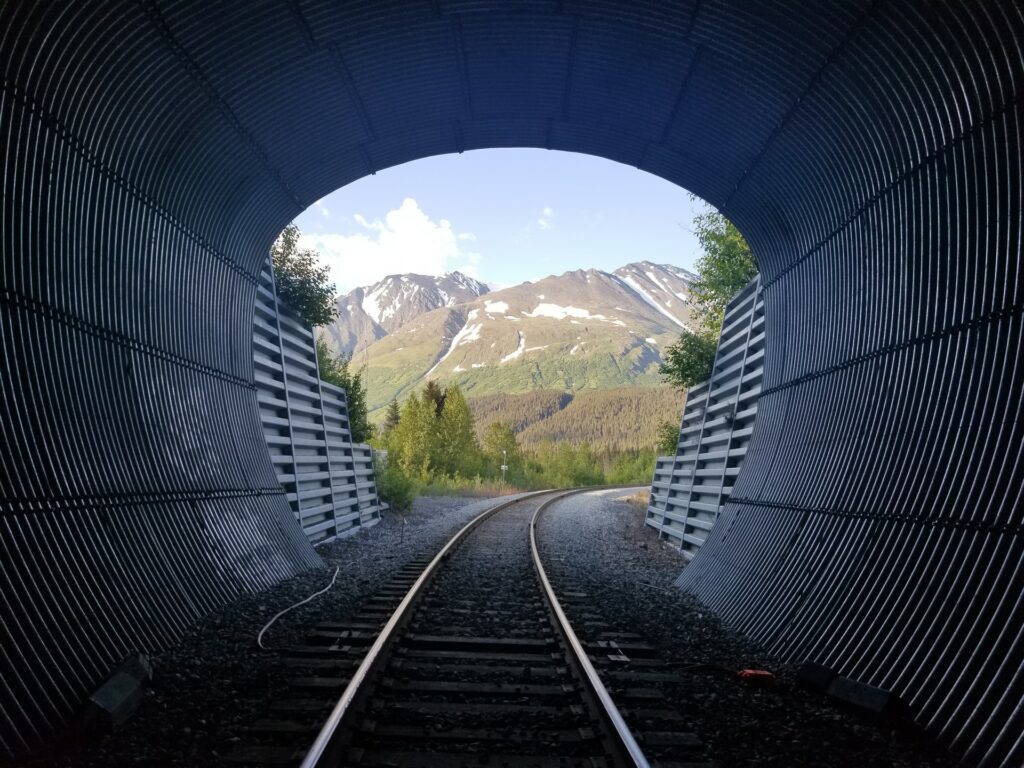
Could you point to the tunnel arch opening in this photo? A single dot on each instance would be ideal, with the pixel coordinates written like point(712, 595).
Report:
point(493, 201)
point(871, 155)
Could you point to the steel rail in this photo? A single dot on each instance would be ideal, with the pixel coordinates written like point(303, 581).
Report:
point(608, 709)
point(323, 749)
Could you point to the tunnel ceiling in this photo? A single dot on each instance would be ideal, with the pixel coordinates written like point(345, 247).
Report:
point(870, 151)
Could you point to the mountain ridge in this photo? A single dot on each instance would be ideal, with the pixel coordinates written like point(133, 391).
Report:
point(582, 329)
point(369, 313)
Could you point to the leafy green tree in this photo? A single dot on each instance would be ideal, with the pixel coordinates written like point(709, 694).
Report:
point(337, 370)
point(393, 485)
point(392, 417)
point(411, 443)
point(689, 361)
point(500, 444)
point(429, 444)
point(632, 468)
point(457, 449)
point(725, 267)
point(668, 438)
point(300, 279)
point(563, 465)
point(432, 391)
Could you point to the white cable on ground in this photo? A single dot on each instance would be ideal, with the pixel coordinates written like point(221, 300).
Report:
point(279, 614)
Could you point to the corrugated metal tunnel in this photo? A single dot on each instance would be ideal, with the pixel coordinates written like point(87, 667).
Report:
point(870, 151)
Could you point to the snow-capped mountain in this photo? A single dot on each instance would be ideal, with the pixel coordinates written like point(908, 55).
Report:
point(369, 313)
point(583, 329)
point(664, 287)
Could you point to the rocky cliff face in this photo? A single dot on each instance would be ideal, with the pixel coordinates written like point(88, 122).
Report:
point(370, 313)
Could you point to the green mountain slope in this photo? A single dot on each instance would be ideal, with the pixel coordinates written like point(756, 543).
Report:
point(581, 330)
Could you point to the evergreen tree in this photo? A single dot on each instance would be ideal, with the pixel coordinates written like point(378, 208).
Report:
point(432, 392)
point(500, 444)
point(411, 443)
point(611, 421)
point(392, 417)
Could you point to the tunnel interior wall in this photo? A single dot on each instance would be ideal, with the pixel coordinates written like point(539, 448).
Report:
point(869, 151)
point(876, 526)
point(135, 486)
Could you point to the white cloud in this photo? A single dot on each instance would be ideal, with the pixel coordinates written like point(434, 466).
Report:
point(405, 240)
point(546, 220)
point(322, 208)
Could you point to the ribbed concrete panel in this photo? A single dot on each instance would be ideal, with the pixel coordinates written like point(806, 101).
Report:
point(328, 481)
point(870, 152)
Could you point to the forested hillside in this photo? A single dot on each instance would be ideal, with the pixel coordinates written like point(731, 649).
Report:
point(518, 411)
point(611, 421)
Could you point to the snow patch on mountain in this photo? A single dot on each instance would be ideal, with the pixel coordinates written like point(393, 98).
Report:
point(654, 277)
point(371, 312)
point(651, 300)
point(518, 350)
point(468, 333)
point(560, 313)
point(370, 305)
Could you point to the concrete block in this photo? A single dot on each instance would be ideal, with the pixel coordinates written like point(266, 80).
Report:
point(865, 698)
point(116, 700)
point(815, 676)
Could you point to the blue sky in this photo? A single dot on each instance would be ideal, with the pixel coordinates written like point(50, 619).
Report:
point(502, 216)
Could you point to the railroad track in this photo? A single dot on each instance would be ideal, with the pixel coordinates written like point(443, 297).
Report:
point(476, 664)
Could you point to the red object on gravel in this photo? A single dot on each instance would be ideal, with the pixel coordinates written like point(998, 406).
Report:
point(756, 677)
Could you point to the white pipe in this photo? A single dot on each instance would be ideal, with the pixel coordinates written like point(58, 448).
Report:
point(279, 614)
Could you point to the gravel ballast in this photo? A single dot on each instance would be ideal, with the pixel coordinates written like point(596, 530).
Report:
point(597, 542)
point(215, 682)
point(208, 688)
